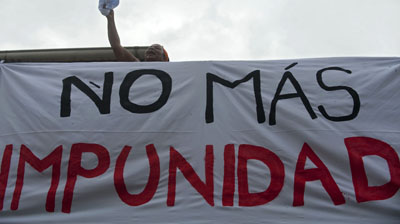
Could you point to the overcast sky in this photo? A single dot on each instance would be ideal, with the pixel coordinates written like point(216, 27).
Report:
point(211, 29)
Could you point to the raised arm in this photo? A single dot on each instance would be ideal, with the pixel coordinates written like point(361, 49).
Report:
point(120, 52)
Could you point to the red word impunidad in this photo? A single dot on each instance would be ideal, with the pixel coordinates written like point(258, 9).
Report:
point(357, 147)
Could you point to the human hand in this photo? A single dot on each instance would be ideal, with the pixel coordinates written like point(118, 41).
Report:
point(111, 14)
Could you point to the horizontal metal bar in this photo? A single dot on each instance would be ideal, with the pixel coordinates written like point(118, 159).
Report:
point(66, 55)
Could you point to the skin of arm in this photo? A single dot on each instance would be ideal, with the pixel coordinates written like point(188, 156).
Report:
point(120, 52)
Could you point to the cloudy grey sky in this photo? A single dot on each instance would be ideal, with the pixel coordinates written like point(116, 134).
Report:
point(211, 29)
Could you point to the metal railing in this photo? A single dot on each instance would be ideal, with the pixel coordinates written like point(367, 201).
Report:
point(66, 55)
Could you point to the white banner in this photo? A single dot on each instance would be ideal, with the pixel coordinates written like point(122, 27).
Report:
point(286, 141)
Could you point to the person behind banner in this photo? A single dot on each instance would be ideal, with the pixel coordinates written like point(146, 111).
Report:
point(155, 52)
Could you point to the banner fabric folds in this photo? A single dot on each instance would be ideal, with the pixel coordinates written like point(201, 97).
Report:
point(284, 141)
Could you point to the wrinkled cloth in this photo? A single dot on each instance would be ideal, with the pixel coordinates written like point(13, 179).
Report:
point(105, 6)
